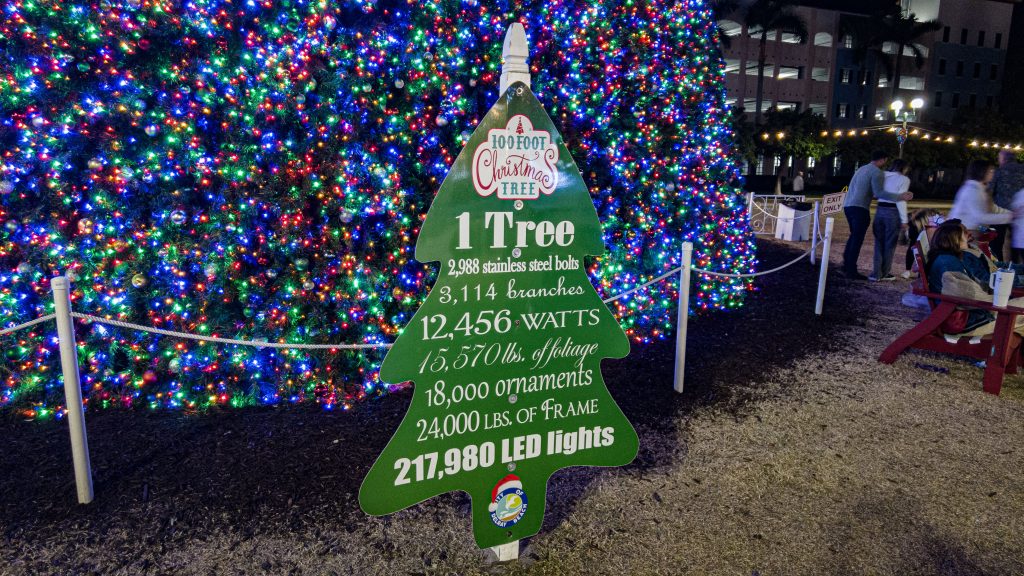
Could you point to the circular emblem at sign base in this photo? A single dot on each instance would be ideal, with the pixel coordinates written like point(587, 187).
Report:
point(508, 502)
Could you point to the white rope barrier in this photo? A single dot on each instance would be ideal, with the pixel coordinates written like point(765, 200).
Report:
point(253, 343)
point(39, 320)
point(63, 316)
point(754, 274)
point(770, 215)
point(642, 286)
point(707, 273)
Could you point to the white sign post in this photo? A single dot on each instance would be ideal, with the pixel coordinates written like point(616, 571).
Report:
point(514, 52)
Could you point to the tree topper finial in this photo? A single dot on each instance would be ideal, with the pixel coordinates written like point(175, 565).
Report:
point(514, 53)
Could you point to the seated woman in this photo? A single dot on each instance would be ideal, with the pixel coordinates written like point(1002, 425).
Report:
point(946, 264)
point(955, 270)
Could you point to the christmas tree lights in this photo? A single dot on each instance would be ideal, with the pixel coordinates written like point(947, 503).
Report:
point(260, 170)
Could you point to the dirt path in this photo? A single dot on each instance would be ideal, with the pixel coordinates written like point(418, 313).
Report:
point(792, 452)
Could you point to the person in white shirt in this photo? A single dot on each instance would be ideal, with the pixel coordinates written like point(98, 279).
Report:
point(798, 183)
point(890, 221)
point(973, 204)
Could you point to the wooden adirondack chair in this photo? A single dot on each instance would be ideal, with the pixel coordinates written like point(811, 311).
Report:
point(1001, 350)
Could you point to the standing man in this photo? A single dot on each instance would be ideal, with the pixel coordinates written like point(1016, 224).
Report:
point(868, 182)
point(798, 183)
point(1008, 180)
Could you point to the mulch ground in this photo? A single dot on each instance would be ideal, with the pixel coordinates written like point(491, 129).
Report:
point(791, 452)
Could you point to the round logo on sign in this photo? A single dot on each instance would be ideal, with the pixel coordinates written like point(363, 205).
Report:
point(508, 502)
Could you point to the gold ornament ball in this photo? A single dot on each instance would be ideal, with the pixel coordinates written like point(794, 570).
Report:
point(139, 280)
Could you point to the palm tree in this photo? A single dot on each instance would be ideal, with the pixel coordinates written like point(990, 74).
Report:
point(867, 39)
point(723, 8)
point(904, 31)
point(771, 16)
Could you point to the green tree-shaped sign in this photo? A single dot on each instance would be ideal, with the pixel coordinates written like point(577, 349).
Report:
point(505, 352)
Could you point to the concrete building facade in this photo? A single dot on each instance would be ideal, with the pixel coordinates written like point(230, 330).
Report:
point(969, 57)
point(798, 75)
point(964, 66)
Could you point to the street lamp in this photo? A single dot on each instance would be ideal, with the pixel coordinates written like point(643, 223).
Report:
point(897, 108)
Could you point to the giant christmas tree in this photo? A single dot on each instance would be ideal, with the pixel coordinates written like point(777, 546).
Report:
point(260, 170)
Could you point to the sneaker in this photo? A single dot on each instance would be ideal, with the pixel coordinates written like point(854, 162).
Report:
point(907, 275)
point(887, 278)
point(873, 278)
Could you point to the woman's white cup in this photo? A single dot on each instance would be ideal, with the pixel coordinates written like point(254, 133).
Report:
point(1001, 283)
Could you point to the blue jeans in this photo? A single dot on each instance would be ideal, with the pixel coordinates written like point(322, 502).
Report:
point(887, 233)
point(859, 218)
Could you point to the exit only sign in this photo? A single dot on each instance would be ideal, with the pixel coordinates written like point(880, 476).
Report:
point(832, 203)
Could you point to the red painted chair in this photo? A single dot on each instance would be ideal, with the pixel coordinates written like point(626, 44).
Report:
point(1001, 350)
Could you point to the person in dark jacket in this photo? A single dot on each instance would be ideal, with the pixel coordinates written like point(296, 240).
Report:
point(1008, 179)
point(948, 247)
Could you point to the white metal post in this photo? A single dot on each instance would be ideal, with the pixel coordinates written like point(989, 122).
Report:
point(684, 312)
point(507, 552)
point(750, 204)
point(814, 231)
point(72, 388)
point(514, 54)
point(823, 273)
